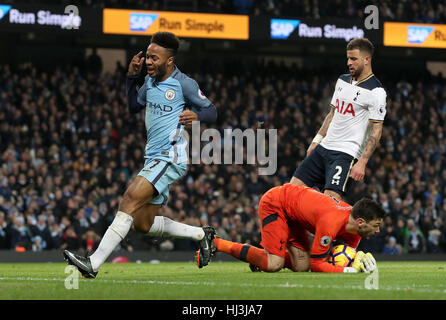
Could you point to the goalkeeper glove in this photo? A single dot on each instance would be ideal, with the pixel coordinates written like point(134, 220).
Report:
point(368, 263)
point(357, 264)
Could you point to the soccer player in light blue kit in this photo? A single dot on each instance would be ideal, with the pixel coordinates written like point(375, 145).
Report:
point(165, 95)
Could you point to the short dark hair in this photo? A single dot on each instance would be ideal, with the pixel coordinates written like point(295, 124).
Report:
point(368, 210)
point(362, 44)
point(166, 40)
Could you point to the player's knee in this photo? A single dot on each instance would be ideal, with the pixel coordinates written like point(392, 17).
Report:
point(129, 197)
point(139, 193)
point(130, 203)
point(300, 259)
point(274, 268)
point(303, 266)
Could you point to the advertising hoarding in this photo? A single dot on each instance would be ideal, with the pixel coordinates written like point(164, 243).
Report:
point(183, 24)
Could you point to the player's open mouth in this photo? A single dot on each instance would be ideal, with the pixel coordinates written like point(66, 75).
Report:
point(150, 71)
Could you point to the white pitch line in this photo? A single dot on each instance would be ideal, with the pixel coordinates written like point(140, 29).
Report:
point(229, 284)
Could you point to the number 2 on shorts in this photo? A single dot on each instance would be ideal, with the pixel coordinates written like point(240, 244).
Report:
point(337, 175)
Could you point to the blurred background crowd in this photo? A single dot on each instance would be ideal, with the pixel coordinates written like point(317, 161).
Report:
point(69, 148)
point(426, 11)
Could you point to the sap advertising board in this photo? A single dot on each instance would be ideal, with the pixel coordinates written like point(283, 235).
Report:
point(142, 21)
point(286, 29)
point(183, 24)
point(398, 34)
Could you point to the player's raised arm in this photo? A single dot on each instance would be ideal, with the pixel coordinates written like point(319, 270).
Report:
point(135, 99)
point(136, 64)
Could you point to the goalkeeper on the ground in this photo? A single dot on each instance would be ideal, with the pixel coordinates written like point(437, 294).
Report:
point(287, 213)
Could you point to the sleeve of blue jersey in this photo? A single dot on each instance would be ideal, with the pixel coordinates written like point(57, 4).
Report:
point(135, 99)
point(208, 114)
point(197, 101)
point(142, 93)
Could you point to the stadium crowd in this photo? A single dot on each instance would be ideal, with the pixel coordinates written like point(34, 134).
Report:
point(69, 147)
point(423, 11)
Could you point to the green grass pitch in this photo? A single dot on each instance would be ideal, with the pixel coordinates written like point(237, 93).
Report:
point(219, 281)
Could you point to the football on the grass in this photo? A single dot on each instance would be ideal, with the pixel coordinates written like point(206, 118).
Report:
point(342, 255)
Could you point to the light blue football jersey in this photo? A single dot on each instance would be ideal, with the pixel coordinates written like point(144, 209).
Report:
point(164, 101)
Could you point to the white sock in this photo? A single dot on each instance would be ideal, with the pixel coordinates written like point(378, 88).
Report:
point(163, 226)
point(112, 237)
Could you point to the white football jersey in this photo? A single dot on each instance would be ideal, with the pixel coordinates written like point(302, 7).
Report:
point(355, 105)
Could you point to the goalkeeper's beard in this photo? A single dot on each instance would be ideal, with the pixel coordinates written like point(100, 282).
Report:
point(364, 233)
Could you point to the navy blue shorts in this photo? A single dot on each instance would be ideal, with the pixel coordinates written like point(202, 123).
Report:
point(327, 170)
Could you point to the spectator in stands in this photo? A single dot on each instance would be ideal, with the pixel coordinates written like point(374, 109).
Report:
point(96, 222)
point(70, 240)
point(20, 234)
point(219, 229)
point(41, 229)
point(400, 230)
point(414, 241)
point(65, 222)
point(3, 232)
point(56, 236)
point(90, 241)
point(81, 224)
point(392, 248)
point(38, 244)
point(434, 241)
